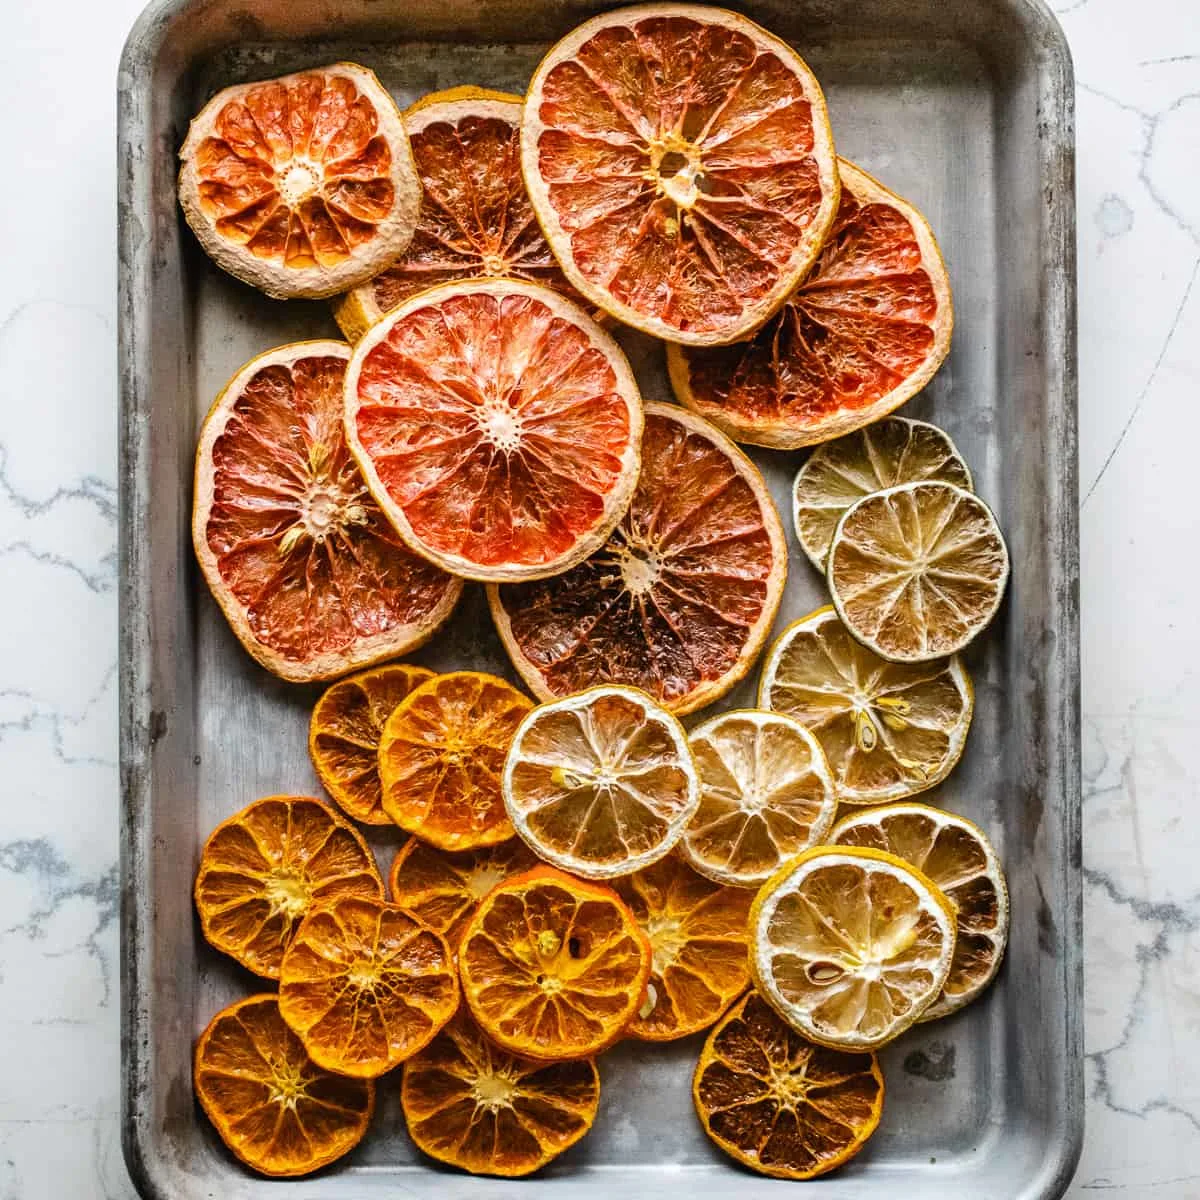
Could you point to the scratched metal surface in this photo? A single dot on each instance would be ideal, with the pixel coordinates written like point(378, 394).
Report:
point(966, 108)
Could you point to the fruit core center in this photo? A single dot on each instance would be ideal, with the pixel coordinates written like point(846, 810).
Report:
point(298, 182)
point(501, 426)
point(287, 1084)
point(640, 570)
point(666, 940)
point(676, 170)
point(287, 892)
point(363, 975)
point(493, 263)
point(493, 1091)
point(790, 1086)
point(325, 508)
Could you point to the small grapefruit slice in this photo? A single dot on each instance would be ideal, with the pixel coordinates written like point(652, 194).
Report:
point(310, 575)
point(866, 331)
point(302, 185)
point(680, 160)
point(498, 427)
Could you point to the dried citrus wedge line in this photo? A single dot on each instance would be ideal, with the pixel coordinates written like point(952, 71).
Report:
point(473, 1105)
point(279, 1112)
point(780, 1104)
point(553, 967)
point(265, 867)
point(850, 946)
point(302, 185)
point(957, 856)
point(888, 730)
point(697, 934)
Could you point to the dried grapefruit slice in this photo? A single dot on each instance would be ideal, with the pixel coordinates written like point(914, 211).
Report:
point(865, 332)
point(265, 867)
point(680, 160)
point(278, 1111)
point(310, 575)
point(680, 599)
point(302, 185)
point(498, 427)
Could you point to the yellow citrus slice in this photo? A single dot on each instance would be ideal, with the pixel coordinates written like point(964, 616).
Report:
point(600, 784)
point(888, 730)
point(766, 794)
point(850, 946)
point(917, 571)
point(302, 185)
point(680, 161)
point(957, 856)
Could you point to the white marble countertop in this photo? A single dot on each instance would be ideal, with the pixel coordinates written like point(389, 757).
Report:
point(1138, 70)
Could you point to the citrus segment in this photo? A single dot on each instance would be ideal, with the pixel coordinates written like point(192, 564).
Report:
point(265, 867)
point(497, 425)
point(865, 331)
point(680, 160)
point(680, 599)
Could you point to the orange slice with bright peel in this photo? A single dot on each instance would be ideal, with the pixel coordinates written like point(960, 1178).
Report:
point(265, 867)
point(680, 161)
point(553, 967)
point(302, 185)
point(680, 599)
point(498, 427)
point(279, 1112)
point(308, 572)
point(865, 331)
point(365, 985)
point(441, 754)
point(780, 1104)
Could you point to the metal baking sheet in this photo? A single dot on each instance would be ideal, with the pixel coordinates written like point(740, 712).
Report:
point(964, 106)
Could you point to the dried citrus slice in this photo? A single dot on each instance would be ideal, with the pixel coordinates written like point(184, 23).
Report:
point(343, 736)
point(273, 1106)
point(553, 967)
point(680, 599)
point(265, 867)
point(888, 730)
point(440, 758)
point(780, 1104)
point(766, 794)
point(697, 934)
point(497, 425)
point(475, 220)
point(310, 575)
point(680, 160)
point(365, 985)
point(302, 185)
point(957, 856)
point(850, 946)
point(444, 889)
point(840, 473)
point(600, 784)
point(917, 571)
point(864, 332)
point(475, 1106)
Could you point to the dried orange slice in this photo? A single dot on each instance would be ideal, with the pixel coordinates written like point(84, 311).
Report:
point(343, 736)
point(780, 1104)
point(265, 867)
point(553, 967)
point(600, 784)
point(440, 758)
point(498, 427)
point(311, 577)
point(866, 331)
point(697, 934)
point(273, 1106)
point(365, 985)
point(475, 220)
point(680, 160)
point(472, 1105)
point(680, 599)
point(957, 856)
point(303, 185)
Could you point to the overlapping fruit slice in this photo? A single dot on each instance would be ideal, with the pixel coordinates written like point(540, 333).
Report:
point(302, 185)
point(680, 160)
point(497, 425)
point(864, 332)
point(310, 575)
point(682, 596)
point(471, 1104)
